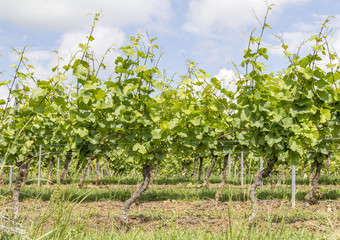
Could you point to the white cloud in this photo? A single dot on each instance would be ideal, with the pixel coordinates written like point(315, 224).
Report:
point(105, 38)
point(207, 51)
point(293, 40)
point(61, 15)
point(227, 78)
point(303, 31)
point(44, 60)
point(209, 17)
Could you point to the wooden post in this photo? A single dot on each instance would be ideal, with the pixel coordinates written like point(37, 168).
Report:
point(229, 165)
point(39, 167)
point(235, 167)
point(58, 169)
point(241, 168)
point(293, 185)
point(10, 177)
point(261, 168)
point(58, 163)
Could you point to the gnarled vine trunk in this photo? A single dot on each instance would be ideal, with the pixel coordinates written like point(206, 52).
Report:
point(314, 182)
point(211, 168)
point(200, 170)
point(107, 172)
point(66, 165)
point(97, 170)
point(218, 195)
point(327, 165)
point(260, 175)
point(279, 181)
point(311, 176)
point(184, 168)
point(24, 179)
point(83, 174)
point(304, 167)
point(157, 169)
point(23, 169)
point(147, 169)
point(50, 166)
point(194, 167)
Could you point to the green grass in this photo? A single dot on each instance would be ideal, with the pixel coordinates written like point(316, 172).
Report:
point(177, 234)
point(273, 224)
point(155, 193)
point(248, 179)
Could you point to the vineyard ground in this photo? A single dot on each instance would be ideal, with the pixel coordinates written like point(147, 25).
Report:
point(178, 192)
point(185, 214)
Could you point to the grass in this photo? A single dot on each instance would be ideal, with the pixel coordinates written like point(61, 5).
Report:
point(65, 221)
point(178, 235)
point(128, 180)
point(173, 208)
point(160, 193)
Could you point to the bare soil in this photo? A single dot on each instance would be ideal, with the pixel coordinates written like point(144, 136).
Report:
point(323, 217)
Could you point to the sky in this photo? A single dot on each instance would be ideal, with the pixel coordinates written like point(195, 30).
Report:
point(212, 33)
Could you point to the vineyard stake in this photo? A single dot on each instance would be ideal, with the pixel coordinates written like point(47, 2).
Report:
point(39, 170)
point(241, 168)
point(96, 168)
point(58, 163)
point(10, 176)
point(261, 168)
point(293, 186)
point(235, 167)
point(229, 165)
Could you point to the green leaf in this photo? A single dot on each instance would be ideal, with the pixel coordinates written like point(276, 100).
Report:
point(266, 25)
point(203, 75)
point(82, 132)
point(329, 65)
point(245, 113)
point(81, 72)
point(156, 133)
point(173, 123)
point(272, 139)
point(321, 84)
point(324, 95)
point(195, 121)
point(100, 94)
point(228, 94)
point(140, 69)
point(216, 83)
point(325, 115)
point(38, 92)
point(83, 47)
point(13, 149)
point(5, 82)
point(287, 122)
point(294, 157)
point(128, 51)
point(296, 146)
point(307, 72)
point(90, 86)
point(139, 148)
point(318, 48)
point(128, 88)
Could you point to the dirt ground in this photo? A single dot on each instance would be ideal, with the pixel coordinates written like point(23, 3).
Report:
point(323, 217)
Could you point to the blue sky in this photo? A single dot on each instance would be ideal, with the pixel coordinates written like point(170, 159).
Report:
point(211, 33)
